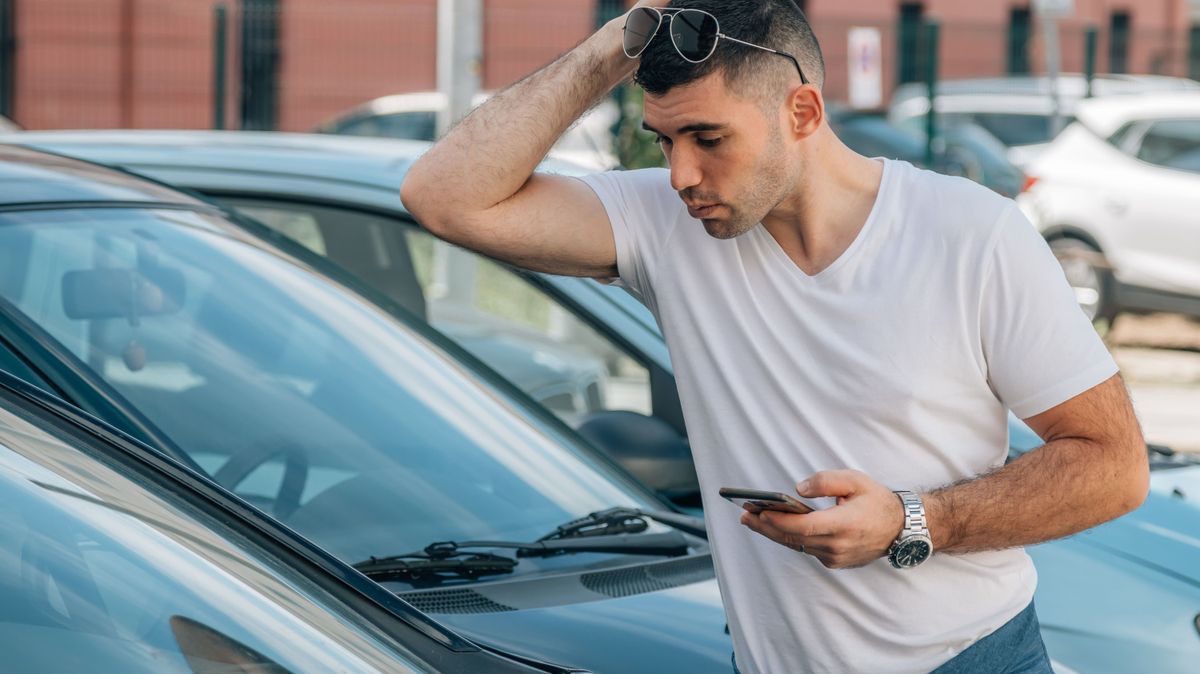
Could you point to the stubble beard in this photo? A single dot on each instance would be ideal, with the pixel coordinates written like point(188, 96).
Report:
point(768, 187)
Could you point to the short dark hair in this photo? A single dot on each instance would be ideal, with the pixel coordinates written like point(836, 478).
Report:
point(776, 24)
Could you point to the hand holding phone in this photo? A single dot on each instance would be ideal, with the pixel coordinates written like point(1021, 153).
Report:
point(756, 501)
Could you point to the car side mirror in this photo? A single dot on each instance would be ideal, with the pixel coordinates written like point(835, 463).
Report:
point(122, 293)
point(648, 447)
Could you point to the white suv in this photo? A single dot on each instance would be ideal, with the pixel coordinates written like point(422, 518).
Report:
point(1117, 195)
point(1018, 110)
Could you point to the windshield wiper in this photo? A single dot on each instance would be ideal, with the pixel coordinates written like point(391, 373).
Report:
point(621, 520)
point(422, 567)
point(447, 556)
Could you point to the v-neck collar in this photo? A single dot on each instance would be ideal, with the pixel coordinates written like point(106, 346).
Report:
point(860, 240)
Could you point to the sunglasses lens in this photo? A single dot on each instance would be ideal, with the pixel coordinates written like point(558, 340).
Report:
point(694, 33)
point(640, 27)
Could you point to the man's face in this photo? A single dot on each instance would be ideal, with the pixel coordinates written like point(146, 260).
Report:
point(726, 155)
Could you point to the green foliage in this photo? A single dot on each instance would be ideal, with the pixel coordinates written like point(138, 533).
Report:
point(635, 147)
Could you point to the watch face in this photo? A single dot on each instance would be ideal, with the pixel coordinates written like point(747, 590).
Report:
point(912, 552)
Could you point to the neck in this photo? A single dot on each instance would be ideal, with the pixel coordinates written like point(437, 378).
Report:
point(819, 220)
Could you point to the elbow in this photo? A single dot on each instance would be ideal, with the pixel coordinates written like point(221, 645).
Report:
point(427, 207)
point(1136, 478)
point(411, 193)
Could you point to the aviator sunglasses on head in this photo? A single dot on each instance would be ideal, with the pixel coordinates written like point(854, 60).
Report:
point(694, 33)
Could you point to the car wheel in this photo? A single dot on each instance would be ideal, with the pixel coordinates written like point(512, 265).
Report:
point(1090, 276)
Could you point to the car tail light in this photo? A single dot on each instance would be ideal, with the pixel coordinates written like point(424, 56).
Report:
point(1030, 181)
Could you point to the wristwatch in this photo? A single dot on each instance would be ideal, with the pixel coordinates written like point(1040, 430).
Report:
point(913, 545)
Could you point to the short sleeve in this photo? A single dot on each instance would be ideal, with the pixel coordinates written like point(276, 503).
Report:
point(642, 210)
point(1040, 348)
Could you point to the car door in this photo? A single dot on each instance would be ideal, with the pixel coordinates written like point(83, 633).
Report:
point(1164, 203)
point(516, 323)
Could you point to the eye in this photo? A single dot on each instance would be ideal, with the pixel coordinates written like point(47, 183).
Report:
point(662, 140)
point(708, 142)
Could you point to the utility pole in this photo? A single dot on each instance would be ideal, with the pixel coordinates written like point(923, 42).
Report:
point(1049, 12)
point(459, 57)
point(459, 66)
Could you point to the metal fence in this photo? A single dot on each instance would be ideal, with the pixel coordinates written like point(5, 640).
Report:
point(292, 65)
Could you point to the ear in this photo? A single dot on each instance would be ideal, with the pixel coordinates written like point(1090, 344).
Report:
point(805, 108)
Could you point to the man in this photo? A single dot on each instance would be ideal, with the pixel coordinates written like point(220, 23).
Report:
point(856, 325)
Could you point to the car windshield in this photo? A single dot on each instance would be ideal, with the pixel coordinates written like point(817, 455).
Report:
point(1019, 129)
point(104, 571)
point(291, 390)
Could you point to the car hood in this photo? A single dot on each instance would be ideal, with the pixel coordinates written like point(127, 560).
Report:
point(1162, 535)
point(672, 629)
point(1182, 483)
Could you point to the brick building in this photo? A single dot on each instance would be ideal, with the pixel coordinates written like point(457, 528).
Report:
point(294, 63)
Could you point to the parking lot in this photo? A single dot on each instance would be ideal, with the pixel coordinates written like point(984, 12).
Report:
point(276, 395)
point(1159, 356)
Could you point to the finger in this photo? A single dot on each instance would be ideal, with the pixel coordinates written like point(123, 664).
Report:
point(825, 522)
point(750, 507)
point(832, 483)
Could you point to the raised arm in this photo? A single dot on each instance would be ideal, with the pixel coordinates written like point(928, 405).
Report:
point(477, 188)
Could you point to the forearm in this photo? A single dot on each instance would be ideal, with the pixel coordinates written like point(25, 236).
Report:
point(489, 156)
point(1062, 488)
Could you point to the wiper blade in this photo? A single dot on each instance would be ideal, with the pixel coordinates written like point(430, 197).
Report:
point(621, 520)
point(423, 568)
point(1161, 450)
point(446, 556)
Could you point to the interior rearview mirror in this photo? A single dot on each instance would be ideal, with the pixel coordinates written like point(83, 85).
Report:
point(122, 293)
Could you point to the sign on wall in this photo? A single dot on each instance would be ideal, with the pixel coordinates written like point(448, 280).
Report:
point(1054, 7)
point(866, 68)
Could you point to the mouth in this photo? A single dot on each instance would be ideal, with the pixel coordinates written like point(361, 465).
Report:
point(699, 212)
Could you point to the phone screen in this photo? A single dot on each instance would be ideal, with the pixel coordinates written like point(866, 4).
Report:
point(756, 500)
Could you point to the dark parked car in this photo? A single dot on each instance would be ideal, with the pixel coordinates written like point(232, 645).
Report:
point(963, 148)
point(238, 353)
point(1091, 584)
point(115, 559)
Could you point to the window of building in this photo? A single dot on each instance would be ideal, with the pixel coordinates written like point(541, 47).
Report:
point(1118, 43)
point(1020, 22)
point(909, 42)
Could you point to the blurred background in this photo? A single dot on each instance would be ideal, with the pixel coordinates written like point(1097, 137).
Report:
point(294, 64)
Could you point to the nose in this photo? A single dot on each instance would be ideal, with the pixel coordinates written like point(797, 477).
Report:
point(685, 170)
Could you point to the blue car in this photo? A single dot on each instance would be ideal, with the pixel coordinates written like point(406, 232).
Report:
point(116, 560)
point(241, 356)
point(1128, 591)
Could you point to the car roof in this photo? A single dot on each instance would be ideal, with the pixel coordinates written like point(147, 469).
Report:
point(29, 176)
point(1105, 115)
point(416, 101)
point(240, 148)
point(1070, 85)
point(375, 162)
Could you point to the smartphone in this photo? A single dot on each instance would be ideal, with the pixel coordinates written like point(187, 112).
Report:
point(765, 500)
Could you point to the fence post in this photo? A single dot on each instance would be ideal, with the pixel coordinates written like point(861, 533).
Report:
point(1089, 58)
point(931, 63)
point(8, 52)
point(219, 53)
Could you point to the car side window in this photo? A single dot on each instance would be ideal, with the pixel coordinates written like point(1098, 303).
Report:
point(416, 125)
point(525, 334)
point(488, 309)
point(1173, 143)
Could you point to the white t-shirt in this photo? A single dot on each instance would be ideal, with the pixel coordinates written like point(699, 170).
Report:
point(898, 360)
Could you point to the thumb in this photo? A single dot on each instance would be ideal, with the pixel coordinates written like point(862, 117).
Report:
point(838, 483)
